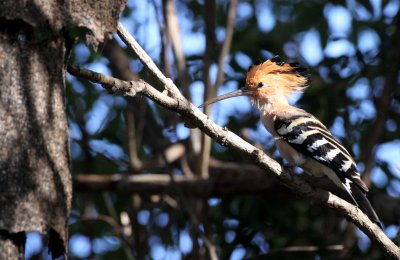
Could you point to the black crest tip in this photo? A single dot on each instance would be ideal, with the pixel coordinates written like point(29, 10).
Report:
point(302, 71)
point(277, 60)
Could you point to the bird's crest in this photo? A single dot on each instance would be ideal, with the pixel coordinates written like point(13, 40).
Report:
point(287, 77)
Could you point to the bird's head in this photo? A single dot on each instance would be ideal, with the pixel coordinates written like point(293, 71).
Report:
point(272, 79)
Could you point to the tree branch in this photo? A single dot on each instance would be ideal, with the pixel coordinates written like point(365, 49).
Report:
point(377, 129)
point(150, 184)
point(203, 156)
point(225, 180)
point(226, 46)
point(196, 118)
point(211, 90)
point(173, 32)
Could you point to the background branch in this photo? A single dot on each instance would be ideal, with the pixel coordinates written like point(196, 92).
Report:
point(377, 129)
point(174, 35)
point(227, 180)
point(210, 90)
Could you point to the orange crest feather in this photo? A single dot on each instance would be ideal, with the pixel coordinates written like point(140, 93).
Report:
point(279, 77)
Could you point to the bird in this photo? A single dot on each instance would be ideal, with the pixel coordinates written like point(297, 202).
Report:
point(300, 137)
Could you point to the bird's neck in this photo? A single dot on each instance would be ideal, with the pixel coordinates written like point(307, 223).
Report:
point(268, 106)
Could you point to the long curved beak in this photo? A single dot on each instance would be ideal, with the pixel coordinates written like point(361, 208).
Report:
point(240, 92)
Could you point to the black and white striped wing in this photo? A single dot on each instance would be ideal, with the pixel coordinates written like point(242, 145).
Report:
point(310, 137)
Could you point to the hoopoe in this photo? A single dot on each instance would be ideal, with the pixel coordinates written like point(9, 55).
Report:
point(300, 138)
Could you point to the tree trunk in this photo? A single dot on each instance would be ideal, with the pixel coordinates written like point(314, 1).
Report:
point(35, 180)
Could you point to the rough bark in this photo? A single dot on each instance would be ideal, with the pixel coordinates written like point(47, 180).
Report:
point(35, 181)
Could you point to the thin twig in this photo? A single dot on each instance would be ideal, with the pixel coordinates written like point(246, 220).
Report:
point(203, 159)
point(211, 90)
point(173, 32)
point(203, 156)
point(144, 122)
point(164, 55)
point(134, 160)
point(296, 250)
point(306, 249)
point(127, 38)
point(226, 46)
point(116, 229)
point(128, 88)
point(377, 129)
point(212, 250)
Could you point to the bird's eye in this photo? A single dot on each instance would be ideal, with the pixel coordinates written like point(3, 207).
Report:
point(260, 85)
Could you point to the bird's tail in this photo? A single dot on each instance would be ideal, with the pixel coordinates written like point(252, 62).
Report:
point(364, 204)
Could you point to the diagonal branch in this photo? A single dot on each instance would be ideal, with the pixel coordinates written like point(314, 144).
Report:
point(196, 118)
